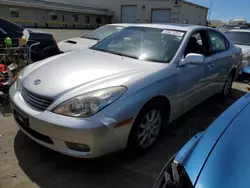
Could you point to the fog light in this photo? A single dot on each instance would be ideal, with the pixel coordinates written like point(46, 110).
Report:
point(77, 147)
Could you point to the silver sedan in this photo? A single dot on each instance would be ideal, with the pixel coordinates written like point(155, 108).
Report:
point(241, 38)
point(121, 92)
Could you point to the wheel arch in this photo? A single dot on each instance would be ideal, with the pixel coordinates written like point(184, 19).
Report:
point(162, 99)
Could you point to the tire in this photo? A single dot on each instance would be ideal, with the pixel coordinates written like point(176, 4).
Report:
point(227, 88)
point(147, 126)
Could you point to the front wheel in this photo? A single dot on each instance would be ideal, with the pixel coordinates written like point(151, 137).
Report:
point(147, 126)
point(228, 85)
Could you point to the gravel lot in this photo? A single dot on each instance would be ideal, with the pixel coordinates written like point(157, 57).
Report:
point(25, 164)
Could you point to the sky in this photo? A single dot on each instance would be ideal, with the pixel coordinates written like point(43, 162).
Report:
point(227, 9)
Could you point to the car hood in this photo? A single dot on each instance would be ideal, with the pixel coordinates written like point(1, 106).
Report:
point(75, 44)
point(83, 68)
point(228, 165)
point(210, 157)
point(245, 49)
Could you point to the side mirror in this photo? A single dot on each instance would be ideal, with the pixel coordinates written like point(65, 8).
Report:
point(192, 58)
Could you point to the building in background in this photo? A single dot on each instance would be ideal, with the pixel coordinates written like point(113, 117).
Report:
point(238, 21)
point(93, 13)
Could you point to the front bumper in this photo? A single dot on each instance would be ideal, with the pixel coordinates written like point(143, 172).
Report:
point(98, 132)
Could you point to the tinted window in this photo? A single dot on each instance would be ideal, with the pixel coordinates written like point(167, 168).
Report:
point(149, 44)
point(218, 43)
point(241, 38)
point(12, 29)
point(3, 33)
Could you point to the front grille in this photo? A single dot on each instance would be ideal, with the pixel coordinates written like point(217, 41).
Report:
point(35, 100)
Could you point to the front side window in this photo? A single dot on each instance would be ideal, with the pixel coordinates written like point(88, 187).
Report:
point(102, 32)
point(197, 44)
point(240, 38)
point(149, 44)
point(14, 13)
point(218, 42)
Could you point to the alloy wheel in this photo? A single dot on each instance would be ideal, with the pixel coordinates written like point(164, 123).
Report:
point(149, 128)
point(228, 84)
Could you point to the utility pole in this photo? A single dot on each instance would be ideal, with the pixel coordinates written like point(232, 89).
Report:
point(210, 10)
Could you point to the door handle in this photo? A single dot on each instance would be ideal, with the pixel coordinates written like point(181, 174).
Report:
point(210, 66)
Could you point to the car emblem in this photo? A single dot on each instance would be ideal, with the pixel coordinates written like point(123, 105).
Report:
point(37, 82)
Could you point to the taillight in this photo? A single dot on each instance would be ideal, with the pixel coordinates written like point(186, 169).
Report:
point(55, 42)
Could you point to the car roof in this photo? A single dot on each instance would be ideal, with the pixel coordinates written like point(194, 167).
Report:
point(121, 24)
point(240, 30)
point(182, 27)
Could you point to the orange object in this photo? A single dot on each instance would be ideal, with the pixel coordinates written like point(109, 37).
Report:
point(124, 122)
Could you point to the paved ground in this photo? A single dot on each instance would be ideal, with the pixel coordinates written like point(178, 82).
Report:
point(25, 164)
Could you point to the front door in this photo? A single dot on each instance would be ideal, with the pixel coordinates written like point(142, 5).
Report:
point(191, 78)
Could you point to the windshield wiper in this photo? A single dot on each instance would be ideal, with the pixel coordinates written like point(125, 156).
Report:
point(113, 52)
point(92, 38)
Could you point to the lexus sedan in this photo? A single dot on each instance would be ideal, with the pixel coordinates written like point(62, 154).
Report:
point(121, 92)
point(241, 38)
point(218, 157)
point(90, 39)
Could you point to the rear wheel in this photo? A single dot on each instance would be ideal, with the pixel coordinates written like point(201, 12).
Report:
point(147, 126)
point(228, 85)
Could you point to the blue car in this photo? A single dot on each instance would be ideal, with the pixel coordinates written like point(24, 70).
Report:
point(216, 158)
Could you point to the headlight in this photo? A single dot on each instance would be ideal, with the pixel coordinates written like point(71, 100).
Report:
point(88, 104)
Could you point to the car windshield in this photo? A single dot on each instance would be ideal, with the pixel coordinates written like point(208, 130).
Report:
point(149, 44)
point(103, 32)
point(241, 38)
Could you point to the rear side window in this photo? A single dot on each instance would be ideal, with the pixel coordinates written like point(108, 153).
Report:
point(218, 42)
point(3, 33)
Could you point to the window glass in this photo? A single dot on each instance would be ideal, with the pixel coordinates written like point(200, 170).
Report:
point(102, 32)
point(218, 42)
point(87, 19)
point(14, 13)
point(240, 38)
point(3, 33)
point(53, 16)
point(148, 44)
point(98, 20)
point(75, 18)
point(197, 45)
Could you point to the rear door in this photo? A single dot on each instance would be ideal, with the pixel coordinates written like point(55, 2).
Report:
point(218, 61)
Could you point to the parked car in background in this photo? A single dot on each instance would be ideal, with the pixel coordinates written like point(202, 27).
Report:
point(90, 39)
point(241, 38)
point(218, 157)
point(47, 48)
point(122, 91)
point(225, 28)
